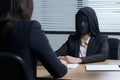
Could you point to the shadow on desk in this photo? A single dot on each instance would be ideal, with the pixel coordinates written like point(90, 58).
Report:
point(39, 78)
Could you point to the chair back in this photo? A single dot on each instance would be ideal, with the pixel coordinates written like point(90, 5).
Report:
point(114, 48)
point(12, 67)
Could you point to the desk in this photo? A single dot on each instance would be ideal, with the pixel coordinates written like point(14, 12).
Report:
point(80, 73)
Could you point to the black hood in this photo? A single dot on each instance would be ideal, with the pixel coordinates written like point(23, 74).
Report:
point(92, 20)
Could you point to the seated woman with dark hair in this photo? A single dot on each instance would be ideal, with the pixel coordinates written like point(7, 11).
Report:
point(87, 44)
point(24, 37)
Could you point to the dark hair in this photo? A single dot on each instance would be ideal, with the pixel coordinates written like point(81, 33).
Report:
point(11, 11)
point(92, 19)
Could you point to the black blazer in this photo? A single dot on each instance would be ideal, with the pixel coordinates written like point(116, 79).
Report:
point(97, 48)
point(27, 40)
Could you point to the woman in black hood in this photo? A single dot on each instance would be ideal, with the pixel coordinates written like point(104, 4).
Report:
point(87, 44)
point(91, 20)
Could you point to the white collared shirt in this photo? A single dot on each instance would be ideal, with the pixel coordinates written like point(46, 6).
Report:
point(83, 49)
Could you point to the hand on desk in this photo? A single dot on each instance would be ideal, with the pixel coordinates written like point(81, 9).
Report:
point(70, 59)
point(64, 62)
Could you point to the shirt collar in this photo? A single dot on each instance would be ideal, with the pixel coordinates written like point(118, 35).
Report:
point(88, 40)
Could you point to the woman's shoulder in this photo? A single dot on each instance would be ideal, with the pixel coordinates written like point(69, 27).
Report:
point(72, 37)
point(102, 37)
point(26, 24)
point(32, 22)
point(35, 22)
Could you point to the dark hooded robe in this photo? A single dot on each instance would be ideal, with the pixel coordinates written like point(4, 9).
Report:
point(92, 20)
point(97, 49)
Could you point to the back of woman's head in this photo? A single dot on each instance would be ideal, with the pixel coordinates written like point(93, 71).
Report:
point(13, 10)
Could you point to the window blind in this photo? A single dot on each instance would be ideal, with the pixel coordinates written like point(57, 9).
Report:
point(108, 12)
point(59, 15)
point(56, 15)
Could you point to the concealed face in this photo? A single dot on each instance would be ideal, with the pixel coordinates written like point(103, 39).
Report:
point(82, 25)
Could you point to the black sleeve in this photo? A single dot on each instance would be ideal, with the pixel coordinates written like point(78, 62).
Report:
point(42, 49)
point(68, 48)
point(62, 51)
point(65, 48)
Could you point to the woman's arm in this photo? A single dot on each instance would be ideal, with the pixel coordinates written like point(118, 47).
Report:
point(62, 51)
point(101, 55)
point(42, 49)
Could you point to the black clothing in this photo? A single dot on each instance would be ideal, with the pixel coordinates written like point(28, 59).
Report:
point(92, 20)
point(27, 40)
point(97, 48)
